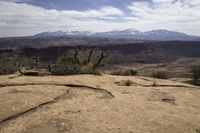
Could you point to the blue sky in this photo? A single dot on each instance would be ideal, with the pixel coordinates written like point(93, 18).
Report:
point(29, 17)
point(79, 4)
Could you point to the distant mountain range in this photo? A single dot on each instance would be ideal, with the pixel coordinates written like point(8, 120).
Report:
point(154, 35)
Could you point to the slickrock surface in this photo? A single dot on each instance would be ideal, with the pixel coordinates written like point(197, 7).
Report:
point(97, 104)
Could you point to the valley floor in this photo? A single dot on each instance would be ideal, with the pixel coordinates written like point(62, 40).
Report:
point(97, 104)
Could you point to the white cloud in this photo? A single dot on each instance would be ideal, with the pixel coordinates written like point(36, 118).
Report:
point(181, 15)
point(24, 19)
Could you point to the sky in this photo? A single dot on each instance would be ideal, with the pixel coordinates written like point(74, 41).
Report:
point(29, 17)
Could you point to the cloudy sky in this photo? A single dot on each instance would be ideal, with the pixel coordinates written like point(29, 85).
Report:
point(28, 17)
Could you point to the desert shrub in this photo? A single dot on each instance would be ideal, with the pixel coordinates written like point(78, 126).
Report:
point(88, 69)
point(8, 67)
point(73, 70)
point(195, 74)
point(65, 66)
point(75, 64)
point(64, 70)
point(63, 60)
point(160, 74)
point(127, 72)
point(128, 83)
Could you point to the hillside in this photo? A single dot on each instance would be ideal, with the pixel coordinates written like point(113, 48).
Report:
point(51, 41)
point(146, 52)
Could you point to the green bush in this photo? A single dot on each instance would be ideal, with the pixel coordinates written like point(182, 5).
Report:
point(160, 74)
point(65, 66)
point(72, 66)
point(126, 72)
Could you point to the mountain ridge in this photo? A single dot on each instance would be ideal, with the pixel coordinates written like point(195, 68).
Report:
point(154, 35)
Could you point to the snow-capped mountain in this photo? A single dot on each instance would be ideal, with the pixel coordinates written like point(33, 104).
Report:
point(61, 33)
point(165, 35)
point(158, 35)
point(86, 33)
point(117, 33)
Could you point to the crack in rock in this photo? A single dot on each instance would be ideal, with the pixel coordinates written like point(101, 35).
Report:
point(32, 109)
point(122, 83)
point(67, 85)
point(169, 100)
point(56, 99)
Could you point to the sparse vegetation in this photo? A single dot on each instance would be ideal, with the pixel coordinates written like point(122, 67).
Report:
point(66, 66)
point(64, 69)
point(8, 65)
point(88, 69)
point(128, 83)
point(7, 68)
point(74, 65)
point(195, 69)
point(160, 74)
point(196, 72)
point(125, 72)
